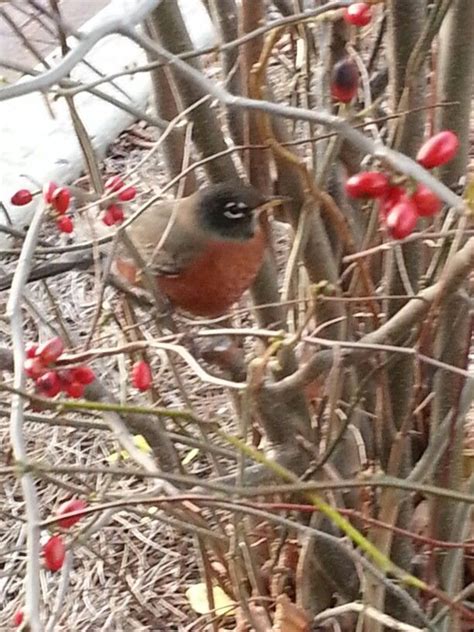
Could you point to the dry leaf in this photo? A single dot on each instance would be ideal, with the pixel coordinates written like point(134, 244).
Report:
point(288, 617)
point(197, 597)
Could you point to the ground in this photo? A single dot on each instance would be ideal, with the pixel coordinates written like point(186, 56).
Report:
point(131, 570)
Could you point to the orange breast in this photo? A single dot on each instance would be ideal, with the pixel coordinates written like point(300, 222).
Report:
point(217, 278)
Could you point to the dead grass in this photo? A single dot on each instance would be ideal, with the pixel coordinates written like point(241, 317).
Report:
point(130, 571)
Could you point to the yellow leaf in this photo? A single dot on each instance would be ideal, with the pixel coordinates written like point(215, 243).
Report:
point(140, 442)
point(150, 512)
point(118, 456)
point(197, 597)
point(190, 456)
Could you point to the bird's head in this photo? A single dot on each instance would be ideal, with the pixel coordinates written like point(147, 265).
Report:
point(229, 210)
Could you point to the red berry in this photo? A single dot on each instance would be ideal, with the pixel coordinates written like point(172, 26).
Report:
point(65, 378)
point(54, 552)
point(108, 218)
point(438, 150)
point(48, 189)
point(21, 197)
point(18, 618)
point(30, 349)
point(65, 224)
point(50, 350)
point(116, 213)
point(344, 80)
point(49, 384)
point(60, 200)
point(83, 375)
point(367, 184)
point(34, 368)
point(113, 215)
point(70, 506)
point(115, 183)
point(141, 375)
point(393, 195)
point(127, 194)
point(426, 202)
point(401, 219)
point(74, 389)
point(358, 14)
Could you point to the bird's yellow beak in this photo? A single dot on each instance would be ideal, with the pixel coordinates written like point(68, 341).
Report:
point(272, 201)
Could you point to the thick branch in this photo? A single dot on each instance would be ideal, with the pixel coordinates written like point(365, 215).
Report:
point(410, 314)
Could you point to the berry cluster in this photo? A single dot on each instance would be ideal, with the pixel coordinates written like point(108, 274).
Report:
point(54, 549)
point(345, 74)
point(114, 212)
point(49, 381)
point(401, 206)
point(58, 200)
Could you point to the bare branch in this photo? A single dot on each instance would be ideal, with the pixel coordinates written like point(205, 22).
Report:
point(391, 157)
point(411, 313)
point(87, 41)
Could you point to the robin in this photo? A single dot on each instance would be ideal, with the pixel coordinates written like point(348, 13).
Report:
point(205, 249)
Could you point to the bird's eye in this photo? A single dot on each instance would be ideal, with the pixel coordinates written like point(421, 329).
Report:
point(231, 210)
point(234, 214)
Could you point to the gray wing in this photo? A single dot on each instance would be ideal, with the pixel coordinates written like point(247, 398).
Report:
point(164, 243)
point(164, 264)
